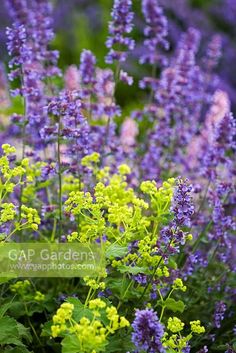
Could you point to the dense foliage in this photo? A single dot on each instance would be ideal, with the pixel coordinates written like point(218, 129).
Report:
point(153, 184)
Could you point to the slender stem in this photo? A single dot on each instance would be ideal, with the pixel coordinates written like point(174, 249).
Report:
point(150, 280)
point(117, 76)
point(59, 178)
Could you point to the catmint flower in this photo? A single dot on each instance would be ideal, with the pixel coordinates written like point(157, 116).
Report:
point(156, 31)
point(17, 46)
point(87, 67)
point(220, 309)
point(126, 78)
point(213, 53)
point(147, 332)
point(119, 27)
point(182, 206)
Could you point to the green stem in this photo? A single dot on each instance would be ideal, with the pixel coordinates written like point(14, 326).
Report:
point(59, 178)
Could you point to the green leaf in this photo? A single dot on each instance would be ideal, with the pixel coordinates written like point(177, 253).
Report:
point(24, 332)
point(4, 308)
point(9, 331)
point(134, 270)
point(79, 310)
point(120, 345)
point(116, 250)
point(17, 350)
point(46, 329)
point(70, 344)
point(174, 305)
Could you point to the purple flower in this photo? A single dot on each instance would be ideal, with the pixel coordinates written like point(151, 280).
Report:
point(32, 61)
point(156, 31)
point(147, 331)
point(119, 27)
point(220, 309)
point(213, 53)
point(87, 67)
point(182, 205)
point(17, 46)
point(216, 152)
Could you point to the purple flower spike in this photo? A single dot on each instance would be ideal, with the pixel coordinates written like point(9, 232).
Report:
point(148, 332)
point(220, 309)
point(121, 24)
point(156, 30)
point(87, 67)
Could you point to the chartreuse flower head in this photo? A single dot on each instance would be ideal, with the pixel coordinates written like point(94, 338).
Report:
point(39, 297)
point(178, 284)
point(31, 216)
point(26, 290)
point(7, 212)
point(20, 287)
point(124, 169)
point(91, 160)
point(196, 327)
point(175, 325)
point(176, 340)
point(89, 333)
point(63, 315)
point(8, 149)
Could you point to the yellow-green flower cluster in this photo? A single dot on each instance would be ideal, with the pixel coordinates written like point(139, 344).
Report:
point(7, 212)
point(27, 291)
point(160, 197)
point(196, 327)
point(175, 325)
point(90, 334)
point(39, 297)
point(20, 287)
point(91, 160)
point(63, 314)
point(93, 284)
point(6, 170)
point(114, 206)
point(31, 216)
point(178, 285)
point(176, 340)
point(72, 237)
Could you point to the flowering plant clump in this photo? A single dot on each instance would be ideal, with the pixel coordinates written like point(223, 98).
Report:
point(133, 153)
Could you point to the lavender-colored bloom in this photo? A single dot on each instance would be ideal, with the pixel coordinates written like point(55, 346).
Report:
point(148, 332)
point(87, 67)
point(186, 349)
point(215, 153)
point(156, 31)
point(172, 236)
point(141, 279)
point(220, 309)
point(182, 206)
point(126, 78)
point(213, 53)
point(119, 27)
point(17, 46)
point(32, 61)
point(179, 102)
